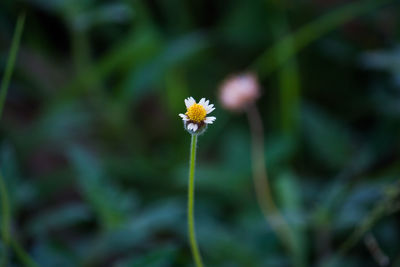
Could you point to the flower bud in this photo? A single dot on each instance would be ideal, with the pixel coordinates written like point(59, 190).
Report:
point(239, 91)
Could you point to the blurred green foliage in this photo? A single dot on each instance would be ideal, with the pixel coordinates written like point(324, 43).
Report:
point(94, 158)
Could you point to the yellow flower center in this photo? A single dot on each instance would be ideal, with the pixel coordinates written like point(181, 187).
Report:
point(196, 113)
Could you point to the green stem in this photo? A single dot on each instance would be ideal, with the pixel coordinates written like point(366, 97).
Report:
point(5, 224)
point(23, 257)
point(11, 60)
point(5, 202)
point(261, 182)
point(192, 234)
point(5, 205)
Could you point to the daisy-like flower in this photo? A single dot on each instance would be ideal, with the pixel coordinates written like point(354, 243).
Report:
point(195, 119)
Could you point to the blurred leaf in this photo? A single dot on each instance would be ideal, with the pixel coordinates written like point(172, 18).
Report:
point(137, 230)
point(223, 248)
point(110, 204)
point(311, 32)
point(107, 13)
point(288, 77)
point(240, 24)
point(236, 144)
point(176, 89)
point(357, 205)
point(159, 257)
point(58, 219)
point(10, 171)
point(279, 149)
point(60, 5)
point(48, 254)
point(330, 141)
point(174, 53)
point(58, 126)
point(388, 61)
point(289, 194)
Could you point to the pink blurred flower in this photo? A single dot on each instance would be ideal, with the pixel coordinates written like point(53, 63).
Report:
point(239, 91)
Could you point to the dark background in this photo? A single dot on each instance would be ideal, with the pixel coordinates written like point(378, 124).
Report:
point(95, 159)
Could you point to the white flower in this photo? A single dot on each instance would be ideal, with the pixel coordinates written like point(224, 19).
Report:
point(195, 118)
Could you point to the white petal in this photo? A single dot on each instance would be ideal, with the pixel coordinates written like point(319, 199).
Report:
point(202, 101)
point(195, 127)
point(190, 126)
point(210, 120)
point(209, 108)
point(206, 103)
point(184, 117)
point(187, 103)
point(192, 101)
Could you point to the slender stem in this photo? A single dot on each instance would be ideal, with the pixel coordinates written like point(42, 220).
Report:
point(6, 218)
point(23, 257)
point(261, 184)
point(192, 234)
point(377, 253)
point(5, 204)
point(11, 60)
